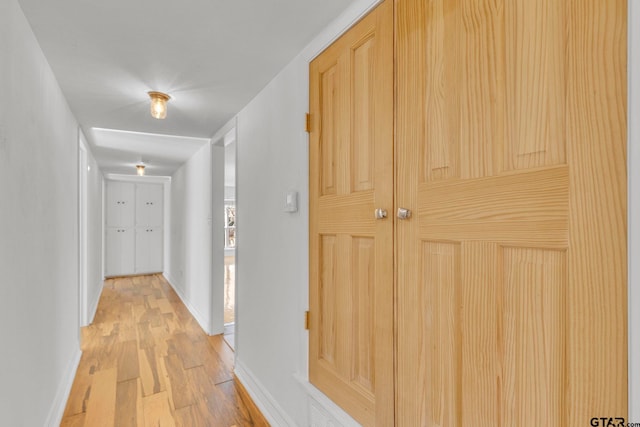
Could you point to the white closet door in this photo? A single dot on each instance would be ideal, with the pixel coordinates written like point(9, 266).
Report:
point(120, 204)
point(120, 250)
point(149, 205)
point(148, 250)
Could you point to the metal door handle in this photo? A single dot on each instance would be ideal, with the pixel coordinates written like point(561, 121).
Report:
point(381, 213)
point(404, 213)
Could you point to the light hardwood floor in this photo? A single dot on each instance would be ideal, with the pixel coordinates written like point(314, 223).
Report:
point(146, 362)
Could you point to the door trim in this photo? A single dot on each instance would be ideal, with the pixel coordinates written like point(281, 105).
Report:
point(633, 195)
point(82, 231)
point(224, 136)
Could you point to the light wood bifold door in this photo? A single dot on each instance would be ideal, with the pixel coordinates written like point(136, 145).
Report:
point(351, 264)
point(508, 217)
point(511, 273)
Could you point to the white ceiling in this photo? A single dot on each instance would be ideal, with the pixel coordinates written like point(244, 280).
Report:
point(119, 152)
point(211, 56)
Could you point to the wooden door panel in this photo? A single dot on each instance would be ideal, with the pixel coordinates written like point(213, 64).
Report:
point(362, 294)
point(438, 331)
point(362, 155)
point(479, 387)
point(535, 73)
point(510, 151)
point(347, 214)
point(329, 110)
point(351, 253)
point(529, 207)
point(532, 333)
point(505, 64)
point(328, 301)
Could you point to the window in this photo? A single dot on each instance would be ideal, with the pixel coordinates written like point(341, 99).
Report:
point(229, 224)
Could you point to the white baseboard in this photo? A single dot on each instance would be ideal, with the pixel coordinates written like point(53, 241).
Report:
point(198, 316)
point(272, 411)
point(322, 410)
point(62, 395)
point(91, 314)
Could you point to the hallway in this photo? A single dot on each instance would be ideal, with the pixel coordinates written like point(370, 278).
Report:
point(147, 362)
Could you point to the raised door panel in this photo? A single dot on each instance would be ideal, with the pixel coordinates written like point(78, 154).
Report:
point(119, 251)
point(351, 253)
point(149, 205)
point(510, 152)
point(120, 200)
point(148, 252)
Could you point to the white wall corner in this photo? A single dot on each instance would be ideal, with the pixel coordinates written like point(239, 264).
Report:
point(62, 395)
point(218, 136)
point(272, 411)
point(202, 320)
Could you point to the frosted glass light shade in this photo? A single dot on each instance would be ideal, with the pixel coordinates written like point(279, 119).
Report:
point(159, 104)
point(140, 169)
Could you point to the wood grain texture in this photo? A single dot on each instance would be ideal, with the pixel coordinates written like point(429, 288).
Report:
point(439, 334)
point(363, 83)
point(129, 404)
point(533, 337)
point(363, 318)
point(524, 208)
point(330, 127)
point(146, 362)
point(328, 301)
point(351, 253)
point(535, 72)
point(100, 408)
point(480, 322)
point(439, 158)
point(596, 143)
point(510, 142)
point(347, 213)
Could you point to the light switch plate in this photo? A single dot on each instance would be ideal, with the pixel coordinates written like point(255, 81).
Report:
point(291, 201)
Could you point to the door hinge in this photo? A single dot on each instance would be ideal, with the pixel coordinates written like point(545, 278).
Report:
point(306, 320)
point(307, 126)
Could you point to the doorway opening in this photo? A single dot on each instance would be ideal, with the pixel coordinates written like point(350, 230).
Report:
point(229, 261)
point(230, 237)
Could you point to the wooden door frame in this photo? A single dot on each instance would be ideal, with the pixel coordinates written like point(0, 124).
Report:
point(633, 196)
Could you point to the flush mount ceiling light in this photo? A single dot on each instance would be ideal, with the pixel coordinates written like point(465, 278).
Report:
point(140, 169)
point(159, 104)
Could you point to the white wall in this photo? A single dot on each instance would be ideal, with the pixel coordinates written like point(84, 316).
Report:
point(272, 264)
point(189, 268)
point(38, 231)
point(229, 192)
point(272, 245)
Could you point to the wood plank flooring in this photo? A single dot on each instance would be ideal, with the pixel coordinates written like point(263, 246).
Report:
point(147, 362)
